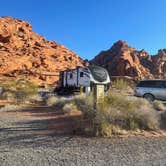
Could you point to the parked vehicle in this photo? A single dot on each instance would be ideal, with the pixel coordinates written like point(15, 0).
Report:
point(72, 80)
point(151, 89)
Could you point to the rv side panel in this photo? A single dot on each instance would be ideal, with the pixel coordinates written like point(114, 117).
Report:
point(72, 78)
point(83, 78)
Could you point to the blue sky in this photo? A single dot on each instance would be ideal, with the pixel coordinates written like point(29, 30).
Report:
point(89, 26)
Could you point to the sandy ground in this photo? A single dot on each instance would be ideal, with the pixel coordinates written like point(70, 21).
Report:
point(42, 136)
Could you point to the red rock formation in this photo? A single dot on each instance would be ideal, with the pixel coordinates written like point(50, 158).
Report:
point(123, 60)
point(25, 54)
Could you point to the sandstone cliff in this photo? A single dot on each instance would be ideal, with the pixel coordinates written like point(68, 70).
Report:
point(25, 54)
point(123, 60)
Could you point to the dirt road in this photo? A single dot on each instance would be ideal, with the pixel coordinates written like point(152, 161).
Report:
point(41, 136)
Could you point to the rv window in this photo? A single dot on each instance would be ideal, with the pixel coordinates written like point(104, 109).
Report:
point(71, 75)
point(81, 74)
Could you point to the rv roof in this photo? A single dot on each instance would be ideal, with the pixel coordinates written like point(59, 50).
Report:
point(99, 73)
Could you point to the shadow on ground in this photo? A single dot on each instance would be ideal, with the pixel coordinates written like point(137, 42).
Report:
point(36, 127)
point(39, 126)
point(163, 120)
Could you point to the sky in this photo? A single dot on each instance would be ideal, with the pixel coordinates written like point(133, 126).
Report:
point(90, 26)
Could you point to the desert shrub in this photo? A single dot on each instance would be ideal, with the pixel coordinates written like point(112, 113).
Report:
point(19, 89)
point(57, 102)
point(86, 105)
point(12, 107)
point(8, 95)
point(52, 100)
point(117, 114)
point(34, 99)
point(129, 113)
point(120, 84)
point(158, 105)
point(70, 109)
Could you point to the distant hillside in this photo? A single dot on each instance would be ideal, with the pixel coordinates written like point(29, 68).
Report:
point(25, 54)
point(123, 60)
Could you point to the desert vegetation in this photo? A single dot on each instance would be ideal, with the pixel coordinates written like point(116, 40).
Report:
point(159, 106)
point(18, 91)
point(13, 107)
point(117, 113)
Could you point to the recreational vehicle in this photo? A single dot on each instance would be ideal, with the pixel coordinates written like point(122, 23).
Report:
point(73, 79)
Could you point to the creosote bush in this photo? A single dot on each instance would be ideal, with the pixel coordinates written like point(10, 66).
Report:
point(159, 106)
point(70, 109)
point(129, 113)
point(12, 107)
point(120, 84)
point(18, 90)
point(116, 114)
point(86, 105)
point(52, 100)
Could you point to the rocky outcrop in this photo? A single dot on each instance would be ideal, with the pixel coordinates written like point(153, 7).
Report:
point(123, 60)
point(25, 54)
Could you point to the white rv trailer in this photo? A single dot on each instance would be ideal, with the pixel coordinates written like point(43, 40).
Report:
point(84, 77)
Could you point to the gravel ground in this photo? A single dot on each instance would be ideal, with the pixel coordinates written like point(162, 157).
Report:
point(29, 139)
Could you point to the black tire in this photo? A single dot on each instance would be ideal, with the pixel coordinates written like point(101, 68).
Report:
point(149, 97)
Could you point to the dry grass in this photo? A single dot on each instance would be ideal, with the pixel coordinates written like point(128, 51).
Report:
point(34, 99)
point(71, 109)
point(158, 105)
point(12, 107)
point(52, 100)
point(120, 84)
point(117, 114)
point(18, 90)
